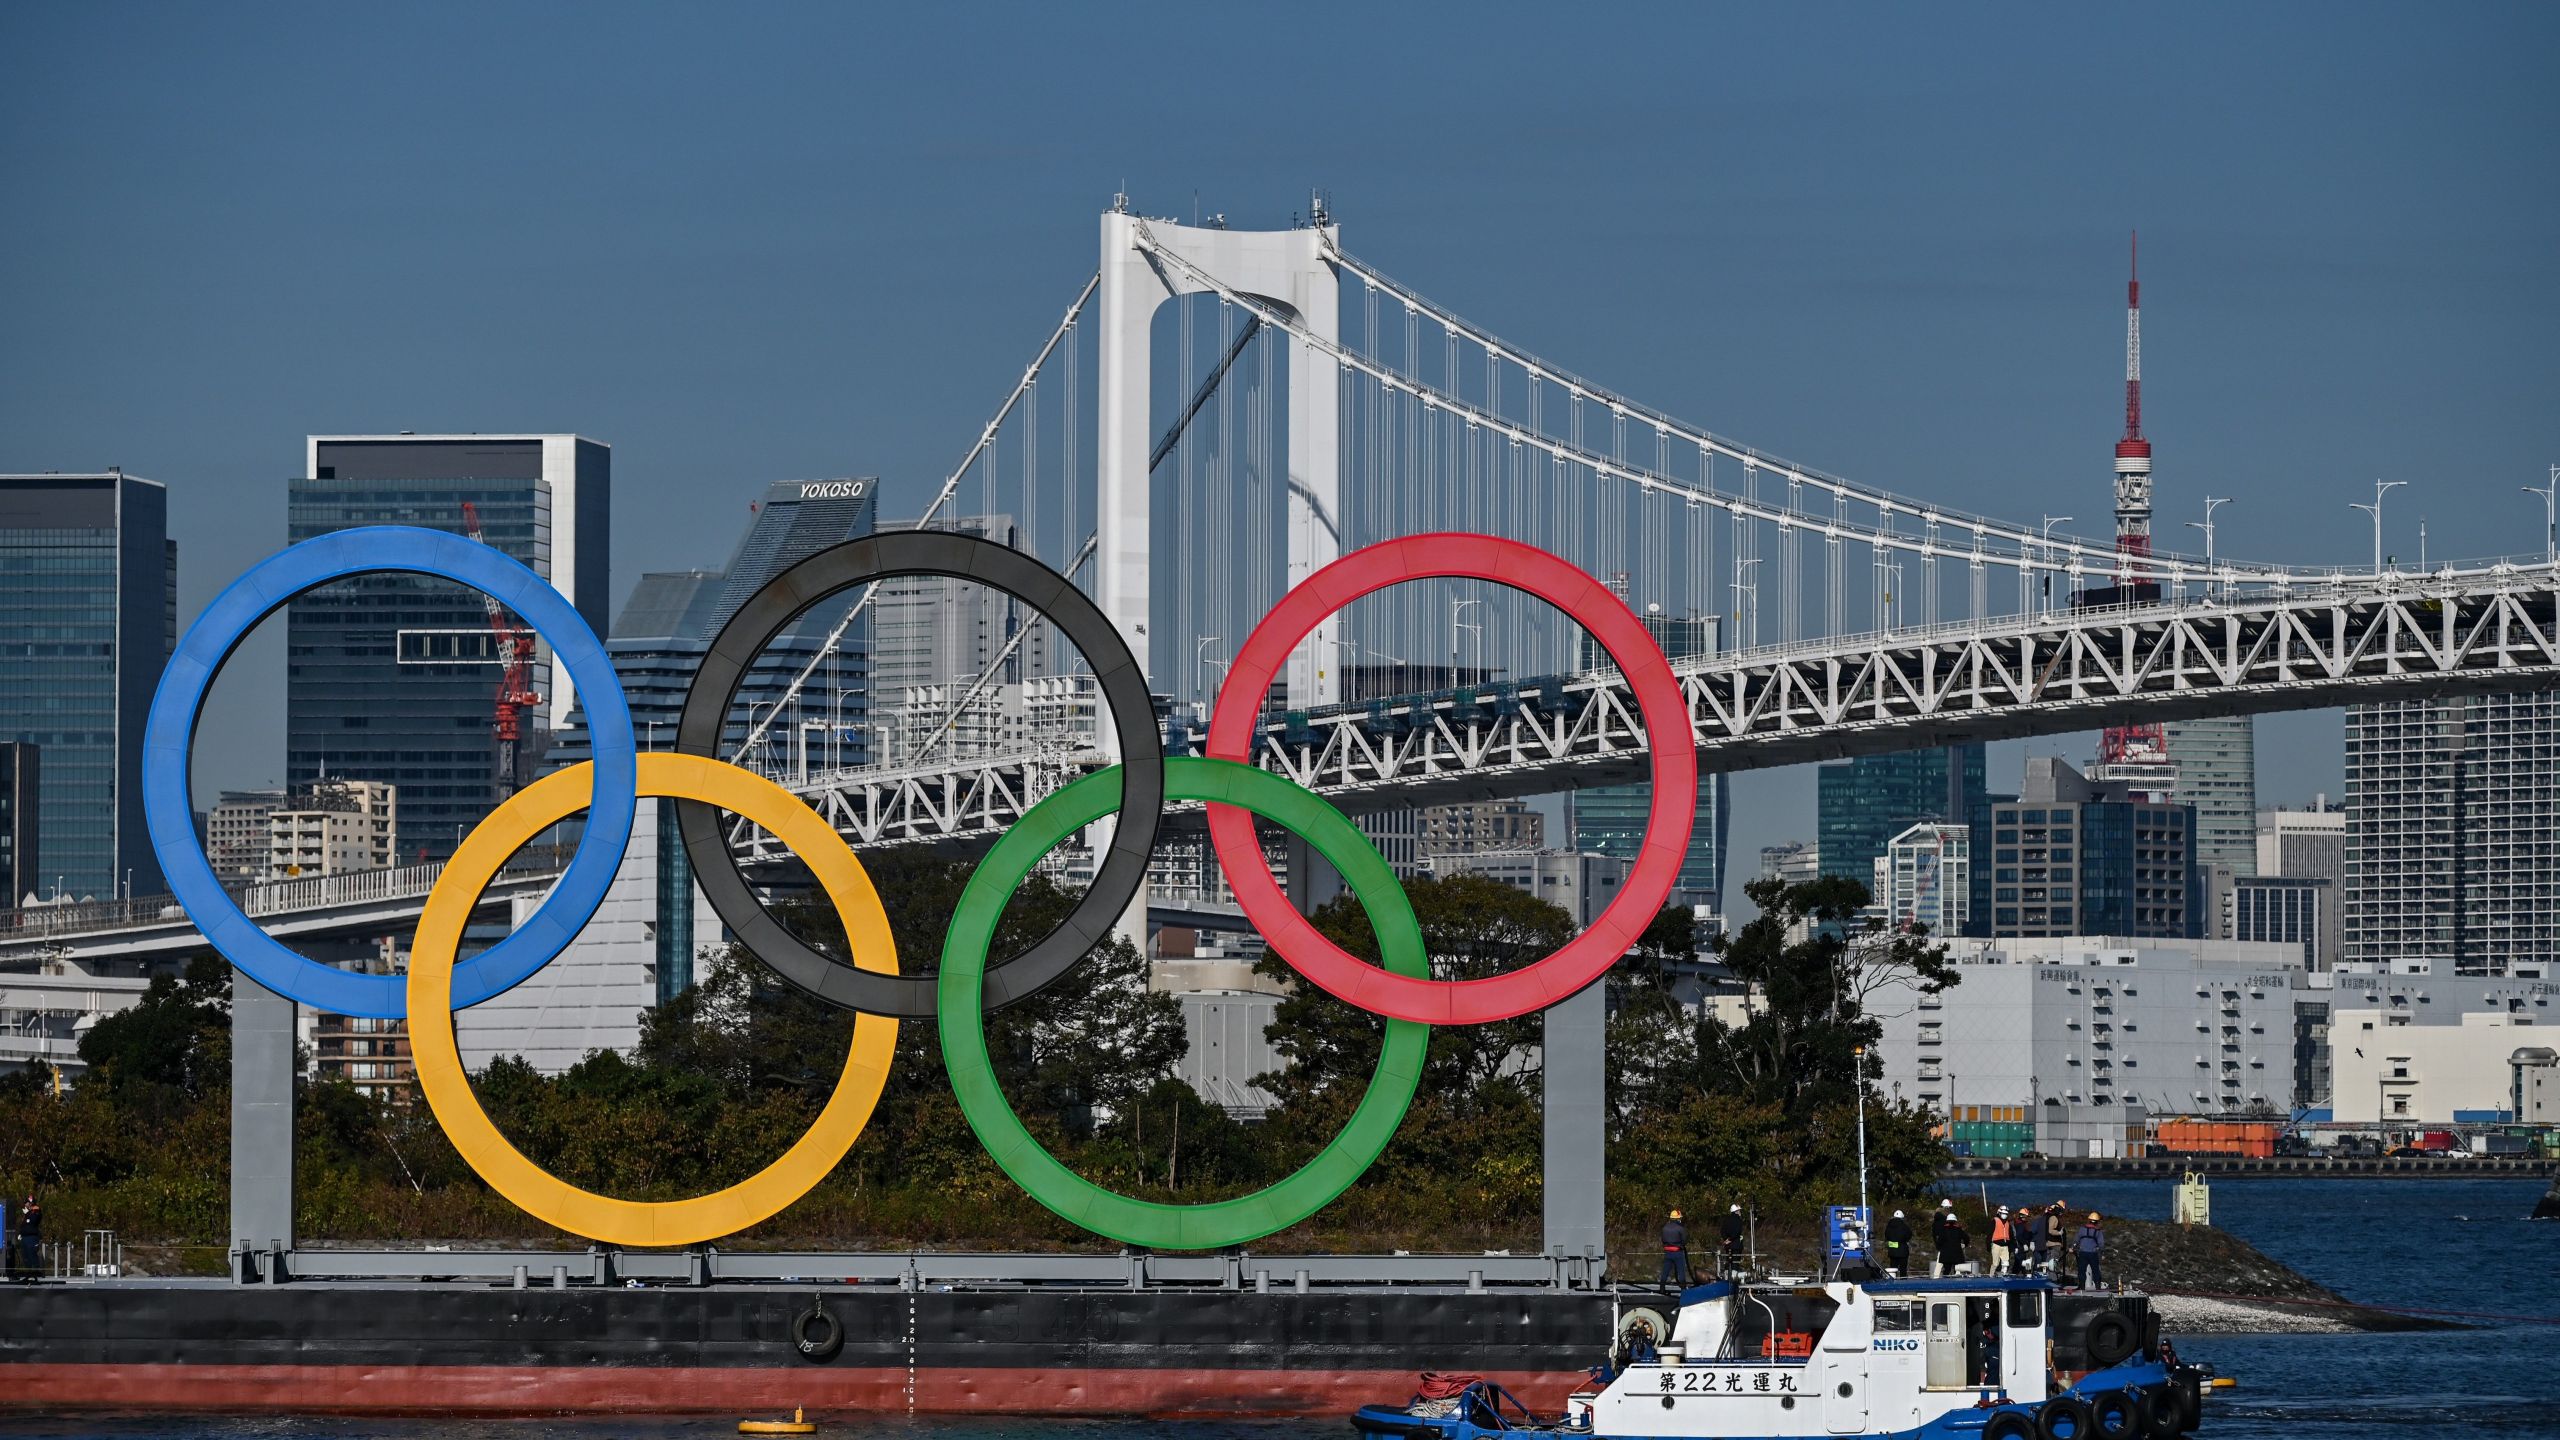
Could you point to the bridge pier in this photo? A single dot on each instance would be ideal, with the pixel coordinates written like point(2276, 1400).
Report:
point(262, 1041)
point(1575, 1077)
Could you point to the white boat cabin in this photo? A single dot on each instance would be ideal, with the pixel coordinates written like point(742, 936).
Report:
point(1831, 1358)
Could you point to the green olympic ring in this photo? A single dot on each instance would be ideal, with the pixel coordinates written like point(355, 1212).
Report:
point(1218, 1223)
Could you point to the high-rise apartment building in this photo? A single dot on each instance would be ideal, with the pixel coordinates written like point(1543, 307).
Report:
point(235, 834)
point(2453, 833)
point(1862, 804)
point(335, 827)
point(391, 677)
point(21, 849)
point(1612, 819)
point(2217, 765)
point(1924, 878)
point(88, 617)
point(2074, 856)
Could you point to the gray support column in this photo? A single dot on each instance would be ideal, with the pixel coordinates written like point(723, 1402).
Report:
point(261, 1126)
point(1312, 880)
point(1577, 1138)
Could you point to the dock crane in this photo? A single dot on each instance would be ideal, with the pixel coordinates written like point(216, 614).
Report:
point(515, 676)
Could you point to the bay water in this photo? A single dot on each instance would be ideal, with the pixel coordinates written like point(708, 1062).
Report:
point(2461, 1246)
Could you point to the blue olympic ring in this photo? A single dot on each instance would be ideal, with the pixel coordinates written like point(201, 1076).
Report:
point(168, 809)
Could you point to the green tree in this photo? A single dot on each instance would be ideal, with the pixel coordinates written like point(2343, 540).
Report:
point(1809, 1037)
point(177, 1038)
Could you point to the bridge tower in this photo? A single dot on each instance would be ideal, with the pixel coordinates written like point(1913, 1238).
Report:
point(1290, 269)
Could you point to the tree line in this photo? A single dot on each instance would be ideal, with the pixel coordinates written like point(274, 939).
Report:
point(1703, 1108)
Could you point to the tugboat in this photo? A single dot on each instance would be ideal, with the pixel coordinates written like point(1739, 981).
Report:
point(1960, 1358)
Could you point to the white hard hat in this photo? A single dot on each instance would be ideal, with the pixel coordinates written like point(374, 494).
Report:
point(1897, 1214)
point(1736, 1209)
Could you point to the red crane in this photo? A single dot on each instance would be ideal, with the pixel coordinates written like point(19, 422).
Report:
point(515, 675)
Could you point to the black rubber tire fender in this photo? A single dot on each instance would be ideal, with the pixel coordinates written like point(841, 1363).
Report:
point(2188, 1383)
point(817, 1334)
point(2110, 1339)
point(2065, 1417)
point(2151, 1336)
point(2163, 1417)
point(2009, 1425)
point(2113, 1416)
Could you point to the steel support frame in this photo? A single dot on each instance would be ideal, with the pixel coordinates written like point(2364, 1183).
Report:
point(1235, 1270)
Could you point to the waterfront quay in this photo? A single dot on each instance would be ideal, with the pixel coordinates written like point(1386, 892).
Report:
point(2239, 1167)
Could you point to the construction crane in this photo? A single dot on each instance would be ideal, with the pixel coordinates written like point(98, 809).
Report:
point(515, 676)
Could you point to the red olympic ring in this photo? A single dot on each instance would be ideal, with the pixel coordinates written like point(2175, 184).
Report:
point(1584, 958)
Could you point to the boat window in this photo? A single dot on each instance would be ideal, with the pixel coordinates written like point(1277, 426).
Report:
point(1901, 1315)
point(1944, 1317)
point(2026, 1310)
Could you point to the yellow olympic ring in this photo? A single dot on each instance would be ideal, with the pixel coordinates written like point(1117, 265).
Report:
point(535, 1190)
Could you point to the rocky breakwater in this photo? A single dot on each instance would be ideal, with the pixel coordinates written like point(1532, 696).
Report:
point(2209, 1282)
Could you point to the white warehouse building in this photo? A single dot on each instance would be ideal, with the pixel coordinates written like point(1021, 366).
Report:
point(2177, 1026)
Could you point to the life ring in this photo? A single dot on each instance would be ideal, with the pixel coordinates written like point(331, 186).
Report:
point(2065, 1417)
point(818, 1334)
point(2113, 1416)
point(2009, 1425)
point(2110, 1339)
point(2162, 1416)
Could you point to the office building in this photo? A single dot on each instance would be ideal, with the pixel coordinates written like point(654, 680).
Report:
point(393, 677)
point(21, 848)
point(643, 947)
point(1613, 819)
point(2073, 856)
point(1793, 863)
point(1863, 803)
point(2217, 772)
point(1924, 879)
point(2453, 833)
point(928, 631)
point(2304, 844)
point(1482, 825)
point(88, 618)
point(668, 622)
point(2179, 1026)
point(1581, 885)
point(2275, 909)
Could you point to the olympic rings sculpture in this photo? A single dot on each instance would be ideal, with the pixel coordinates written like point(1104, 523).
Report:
point(969, 982)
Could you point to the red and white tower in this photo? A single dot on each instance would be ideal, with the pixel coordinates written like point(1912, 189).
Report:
point(2132, 749)
point(2133, 453)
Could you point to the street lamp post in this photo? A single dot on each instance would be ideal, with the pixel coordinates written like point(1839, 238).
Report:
point(1201, 661)
point(2550, 516)
point(2211, 504)
point(2045, 581)
point(837, 725)
point(1456, 609)
point(2380, 489)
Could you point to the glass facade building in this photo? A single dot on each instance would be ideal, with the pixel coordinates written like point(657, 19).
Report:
point(394, 677)
point(2217, 765)
point(1862, 804)
point(88, 617)
point(1610, 819)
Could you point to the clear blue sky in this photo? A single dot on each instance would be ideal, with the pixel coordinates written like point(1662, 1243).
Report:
point(770, 241)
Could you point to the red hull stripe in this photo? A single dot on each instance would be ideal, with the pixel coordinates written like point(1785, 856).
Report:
point(536, 1389)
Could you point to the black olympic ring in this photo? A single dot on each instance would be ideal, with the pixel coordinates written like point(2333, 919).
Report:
point(960, 557)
